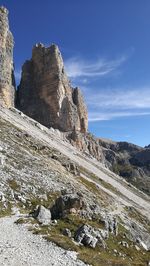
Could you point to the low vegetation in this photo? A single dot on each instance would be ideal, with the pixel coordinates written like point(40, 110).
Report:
point(5, 210)
point(115, 254)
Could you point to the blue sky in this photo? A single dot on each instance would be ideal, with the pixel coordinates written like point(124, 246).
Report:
point(106, 48)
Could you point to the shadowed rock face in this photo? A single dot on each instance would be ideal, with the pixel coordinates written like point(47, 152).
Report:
point(46, 95)
point(7, 82)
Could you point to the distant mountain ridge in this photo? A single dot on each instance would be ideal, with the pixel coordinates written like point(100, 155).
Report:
point(147, 147)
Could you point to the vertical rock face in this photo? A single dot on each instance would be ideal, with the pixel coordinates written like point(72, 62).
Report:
point(46, 95)
point(7, 82)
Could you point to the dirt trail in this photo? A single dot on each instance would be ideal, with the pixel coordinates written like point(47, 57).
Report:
point(19, 247)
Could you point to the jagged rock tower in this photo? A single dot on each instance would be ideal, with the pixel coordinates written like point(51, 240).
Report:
point(45, 93)
point(7, 81)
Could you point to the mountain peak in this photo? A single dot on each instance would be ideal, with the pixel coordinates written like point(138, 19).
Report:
point(46, 95)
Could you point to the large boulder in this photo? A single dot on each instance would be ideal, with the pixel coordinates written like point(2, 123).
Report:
point(65, 204)
point(42, 214)
point(88, 236)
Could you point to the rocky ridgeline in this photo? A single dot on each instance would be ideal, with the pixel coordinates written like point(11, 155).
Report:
point(7, 82)
point(45, 92)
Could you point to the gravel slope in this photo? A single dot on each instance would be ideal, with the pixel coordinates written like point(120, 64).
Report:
point(53, 140)
point(19, 247)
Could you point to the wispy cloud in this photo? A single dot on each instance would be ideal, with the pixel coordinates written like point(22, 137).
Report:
point(108, 104)
point(122, 98)
point(79, 67)
point(99, 116)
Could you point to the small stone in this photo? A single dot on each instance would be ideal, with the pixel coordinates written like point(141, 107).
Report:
point(137, 248)
point(54, 222)
point(1, 149)
point(73, 211)
point(67, 232)
point(124, 244)
point(2, 160)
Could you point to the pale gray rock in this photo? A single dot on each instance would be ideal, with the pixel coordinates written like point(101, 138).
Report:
point(124, 244)
point(137, 248)
point(67, 232)
point(89, 236)
point(20, 198)
point(43, 215)
point(138, 235)
point(89, 240)
point(84, 236)
point(111, 225)
point(2, 160)
point(104, 233)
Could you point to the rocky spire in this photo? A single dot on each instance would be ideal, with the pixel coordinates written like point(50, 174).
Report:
point(46, 95)
point(7, 82)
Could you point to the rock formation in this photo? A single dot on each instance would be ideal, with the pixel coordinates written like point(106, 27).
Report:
point(7, 82)
point(125, 159)
point(45, 93)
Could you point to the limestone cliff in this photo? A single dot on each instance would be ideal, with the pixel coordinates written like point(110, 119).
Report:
point(45, 92)
point(7, 83)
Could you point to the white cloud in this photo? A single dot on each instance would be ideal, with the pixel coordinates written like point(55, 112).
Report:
point(99, 116)
point(119, 98)
point(78, 67)
point(108, 104)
